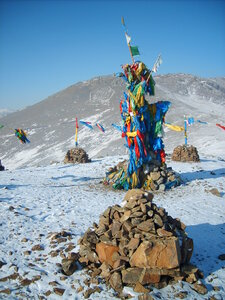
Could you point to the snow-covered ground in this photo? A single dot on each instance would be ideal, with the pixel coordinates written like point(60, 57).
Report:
point(36, 202)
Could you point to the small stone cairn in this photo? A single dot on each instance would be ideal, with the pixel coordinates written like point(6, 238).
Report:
point(185, 153)
point(138, 245)
point(76, 155)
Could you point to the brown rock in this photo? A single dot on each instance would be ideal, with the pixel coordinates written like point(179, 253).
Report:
point(199, 288)
point(48, 293)
point(116, 282)
point(164, 233)
point(59, 291)
point(25, 282)
point(134, 194)
point(146, 226)
point(132, 275)
point(155, 175)
point(139, 288)
point(125, 216)
point(161, 254)
point(133, 243)
point(69, 266)
point(116, 225)
point(215, 192)
point(37, 247)
point(181, 295)
point(105, 268)
point(5, 291)
point(145, 297)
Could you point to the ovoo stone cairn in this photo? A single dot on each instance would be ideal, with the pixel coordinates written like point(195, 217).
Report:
point(185, 153)
point(143, 131)
point(76, 155)
point(137, 245)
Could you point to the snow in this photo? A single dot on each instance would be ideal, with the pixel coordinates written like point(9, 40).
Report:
point(38, 201)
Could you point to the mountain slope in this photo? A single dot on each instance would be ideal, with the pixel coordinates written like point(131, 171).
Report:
point(51, 123)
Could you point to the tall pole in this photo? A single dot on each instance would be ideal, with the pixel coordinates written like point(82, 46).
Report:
point(76, 142)
point(128, 42)
point(185, 131)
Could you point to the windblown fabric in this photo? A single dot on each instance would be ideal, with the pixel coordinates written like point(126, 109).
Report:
point(88, 124)
point(221, 126)
point(21, 135)
point(174, 127)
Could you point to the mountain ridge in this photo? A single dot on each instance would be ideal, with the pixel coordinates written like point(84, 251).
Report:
point(50, 123)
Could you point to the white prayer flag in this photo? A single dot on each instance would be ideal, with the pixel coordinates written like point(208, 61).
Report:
point(128, 38)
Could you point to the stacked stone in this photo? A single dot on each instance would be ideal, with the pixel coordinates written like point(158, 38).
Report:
point(185, 153)
point(76, 155)
point(156, 178)
point(137, 245)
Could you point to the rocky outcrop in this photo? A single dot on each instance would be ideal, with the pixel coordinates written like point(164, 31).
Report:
point(76, 155)
point(185, 153)
point(138, 243)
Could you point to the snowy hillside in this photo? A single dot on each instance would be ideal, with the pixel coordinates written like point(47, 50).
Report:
point(50, 124)
point(4, 112)
point(37, 202)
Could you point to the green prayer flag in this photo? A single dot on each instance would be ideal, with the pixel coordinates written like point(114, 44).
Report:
point(1, 126)
point(134, 50)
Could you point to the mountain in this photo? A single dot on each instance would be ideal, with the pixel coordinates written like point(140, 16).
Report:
point(5, 111)
point(50, 124)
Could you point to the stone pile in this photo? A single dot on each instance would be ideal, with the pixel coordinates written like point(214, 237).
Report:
point(154, 177)
point(138, 245)
point(185, 153)
point(76, 155)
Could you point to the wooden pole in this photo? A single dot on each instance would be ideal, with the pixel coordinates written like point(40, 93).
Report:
point(131, 53)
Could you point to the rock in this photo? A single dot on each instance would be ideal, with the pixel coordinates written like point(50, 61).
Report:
point(200, 288)
point(2, 263)
point(185, 153)
point(145, 297)
point(139, 288)
point(116, 282)
point(221, 256)
point(160, 254)
point(91, 291)
point(146, 226)
point(5, 291)
point(37, 248)
point(59, 291)
point(69, 266)
point(132, 275)
point(25, 282)
point(105, 252)
point(155, 175)
point(215, 192)
point(181, 295)
point(76, 155)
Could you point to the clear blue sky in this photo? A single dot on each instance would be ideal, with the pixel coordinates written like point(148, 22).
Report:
point(45, 46)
